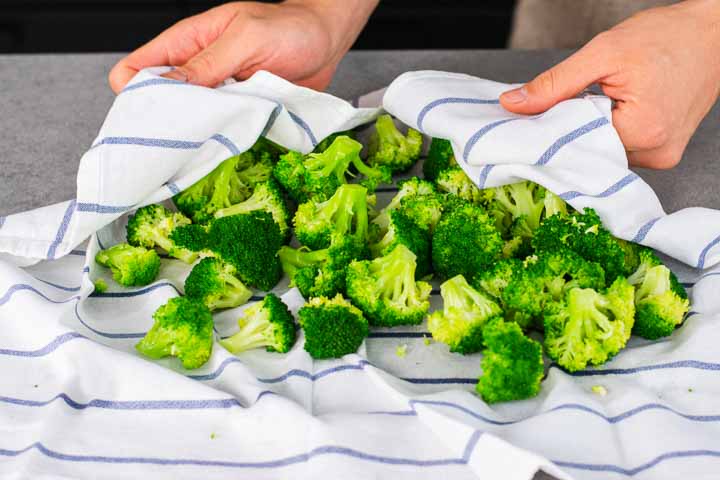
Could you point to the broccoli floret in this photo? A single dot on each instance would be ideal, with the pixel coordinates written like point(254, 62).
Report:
point(546, 278)
point(389, 147)
point(403, 231)
point(512, 364)
point(266, 149)
point(193, 237)
point(462, 229)
point(495, 279)
point(268, 197)
point(268, 324)
point(456, 182)
point(589, 327)
point(584, 234)
point(424, 211)
point(440, 157)
point(332, 327)
point(100, 286)
point(410, 188)
point(213, 282)
point(316, 176)
point(344, 214)
point(229, 183)
point(327, 141)
point(465, 312)
point(321, 273)
point(130, 265)
point(386, 291)
point(184, 329)
point(151, 227)
point(660, 300)
point(250, 243)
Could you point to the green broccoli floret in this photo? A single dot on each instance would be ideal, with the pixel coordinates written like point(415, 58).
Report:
point(389, 147)
point(547, 278)
point(100, 286)
point(268, 197)
point(386, 291)
point(250, 243)
point(425, 211)
point(193, 237)
point(512, 364)
point(130, 265)
point(495, 279)
point(660, 300)
point(456, 182)
point(213, 282)
point(440, 157)
point(316, 176)
point(589, 327)
point(410, 188)
point(584, 234)
point(465, 242)
point(268, 324)
point(344, 214)
point(151, 227)
point(332, 327)
point(184, 329)
point(465, 312)
point(229, 183)
point(403, 231)
point(321, 273)
point(327, 141)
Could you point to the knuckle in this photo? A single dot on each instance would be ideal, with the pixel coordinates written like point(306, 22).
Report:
point(203, 68)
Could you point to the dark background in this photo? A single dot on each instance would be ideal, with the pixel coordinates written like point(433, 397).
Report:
point(51, 26)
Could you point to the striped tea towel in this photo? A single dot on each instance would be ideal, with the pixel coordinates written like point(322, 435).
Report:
point(76, 401)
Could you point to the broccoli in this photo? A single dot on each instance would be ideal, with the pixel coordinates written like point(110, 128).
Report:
point(386, 291)
point(410, 188)
point(268, 324)
point(345, 213)
point(316, 176)
point(440, 157)
point(455, 181)
point(213, 282)
point(424, 211)
point(184, 329)
point(268, 197)
point(465, 312)
point(495, 279)
point(589, 327)
point(229, 183)
point(327, 141)
point(512, 364)
point(403, 231)
point(130, 265)
point(193, 237)
point(321, 273)
point(101, 286)
point(267, 150)
point(465, 242)
point(152, 226)
point(546, 278)
point(250, 243)
point(389, 147)
point(584, 234)
point(660, 301)
point(332, 327)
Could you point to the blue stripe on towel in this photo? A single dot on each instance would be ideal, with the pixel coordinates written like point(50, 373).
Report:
point(153, 81)
point(611, 190)
point(570, 137)
point(644, 230)
point(451, 100)
point(704, 252)
point(62, 229)
point(481, 133)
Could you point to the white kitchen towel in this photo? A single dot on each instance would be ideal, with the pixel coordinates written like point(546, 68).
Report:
point(76, 401)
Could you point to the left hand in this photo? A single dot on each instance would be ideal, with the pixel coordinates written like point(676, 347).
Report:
point(661, 67)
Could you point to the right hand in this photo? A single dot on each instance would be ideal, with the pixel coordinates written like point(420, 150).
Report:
point(300, 40)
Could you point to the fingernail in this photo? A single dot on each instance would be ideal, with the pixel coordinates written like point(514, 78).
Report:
point(515, 96)
point(176, 74)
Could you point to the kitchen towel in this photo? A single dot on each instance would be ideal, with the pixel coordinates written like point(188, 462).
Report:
point(76, 401)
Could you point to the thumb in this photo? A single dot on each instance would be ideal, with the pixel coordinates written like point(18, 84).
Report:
point(561, 82)
point(219, 61)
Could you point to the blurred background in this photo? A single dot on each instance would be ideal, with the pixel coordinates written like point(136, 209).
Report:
point(44, 26)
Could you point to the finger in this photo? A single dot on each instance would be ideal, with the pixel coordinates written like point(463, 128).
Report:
point(563, 81)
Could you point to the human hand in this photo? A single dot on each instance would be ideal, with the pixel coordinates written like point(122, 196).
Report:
point(660, 66)
point(300, 40)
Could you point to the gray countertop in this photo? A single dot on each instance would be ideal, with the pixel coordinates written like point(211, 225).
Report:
point(53, 105)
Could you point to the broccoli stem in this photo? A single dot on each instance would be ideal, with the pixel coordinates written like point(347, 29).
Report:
point(252, 335)
point(237, 294)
